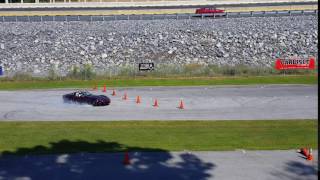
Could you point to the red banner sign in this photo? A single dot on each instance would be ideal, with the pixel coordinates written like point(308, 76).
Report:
point(295, 64)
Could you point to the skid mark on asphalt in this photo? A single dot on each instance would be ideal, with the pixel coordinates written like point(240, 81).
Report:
point(9, 115)
point(12, 115)
point(212, 103)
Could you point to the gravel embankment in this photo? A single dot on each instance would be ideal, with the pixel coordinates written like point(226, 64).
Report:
point(37, 47)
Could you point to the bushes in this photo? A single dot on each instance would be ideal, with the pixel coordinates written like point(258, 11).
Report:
point(195, 70)
point(86, 72)
point(126, 71)
point(52, 74)
point(22, 76)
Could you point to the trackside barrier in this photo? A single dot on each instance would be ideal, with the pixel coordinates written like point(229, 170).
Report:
point(155, 16)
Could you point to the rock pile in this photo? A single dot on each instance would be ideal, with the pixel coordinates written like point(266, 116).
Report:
point(38, 47)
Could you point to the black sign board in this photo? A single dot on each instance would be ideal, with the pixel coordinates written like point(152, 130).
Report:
point(146, 66)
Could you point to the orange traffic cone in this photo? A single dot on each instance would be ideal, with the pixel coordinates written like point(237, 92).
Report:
point(181, 106)
point(126, 160)
point(138, 100)
point(125, 97)
point(309, 156)
point(304, 151)
point(113, 93)
point(104, 88)
point(156, 103)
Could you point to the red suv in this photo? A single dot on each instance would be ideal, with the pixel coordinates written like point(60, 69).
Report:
point(209, 11)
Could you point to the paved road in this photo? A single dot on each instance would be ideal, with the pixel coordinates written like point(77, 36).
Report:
point(201, 103)
point(232, 165)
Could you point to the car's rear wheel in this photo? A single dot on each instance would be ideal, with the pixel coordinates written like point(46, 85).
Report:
point(66, 100)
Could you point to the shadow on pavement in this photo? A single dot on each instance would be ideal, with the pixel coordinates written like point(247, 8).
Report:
point(87, 160)
point(295, 170)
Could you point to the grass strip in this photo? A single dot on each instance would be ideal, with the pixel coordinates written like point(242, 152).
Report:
point(68, 137)
point(250, 80)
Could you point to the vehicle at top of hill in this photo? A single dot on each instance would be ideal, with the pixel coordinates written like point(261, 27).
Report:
point(209, 10)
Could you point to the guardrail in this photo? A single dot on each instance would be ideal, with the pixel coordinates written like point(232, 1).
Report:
point(156, 16)
point(134, 3)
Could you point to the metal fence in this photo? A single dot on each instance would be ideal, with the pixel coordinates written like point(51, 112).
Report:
point(155, 16)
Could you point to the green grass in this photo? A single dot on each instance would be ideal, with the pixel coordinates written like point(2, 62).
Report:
point(58, 137)
point(250, 80)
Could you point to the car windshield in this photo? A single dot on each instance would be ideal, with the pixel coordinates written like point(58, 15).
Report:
point(82, 93)
point(85, 93)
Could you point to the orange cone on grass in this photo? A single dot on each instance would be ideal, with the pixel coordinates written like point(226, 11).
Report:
point(155, 103)
point(181, 105)
point(138, 101)
point(126, 160)
point(104, 88)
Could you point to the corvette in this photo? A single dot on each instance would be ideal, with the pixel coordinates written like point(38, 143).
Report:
point(86, 97)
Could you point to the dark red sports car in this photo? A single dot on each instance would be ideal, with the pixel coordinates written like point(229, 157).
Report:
point(212, 10)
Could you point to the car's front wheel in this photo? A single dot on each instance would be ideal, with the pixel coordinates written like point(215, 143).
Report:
point(96, 103)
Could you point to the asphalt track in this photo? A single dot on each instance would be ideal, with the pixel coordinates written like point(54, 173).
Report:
point(230, 165)
point(200, 103)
